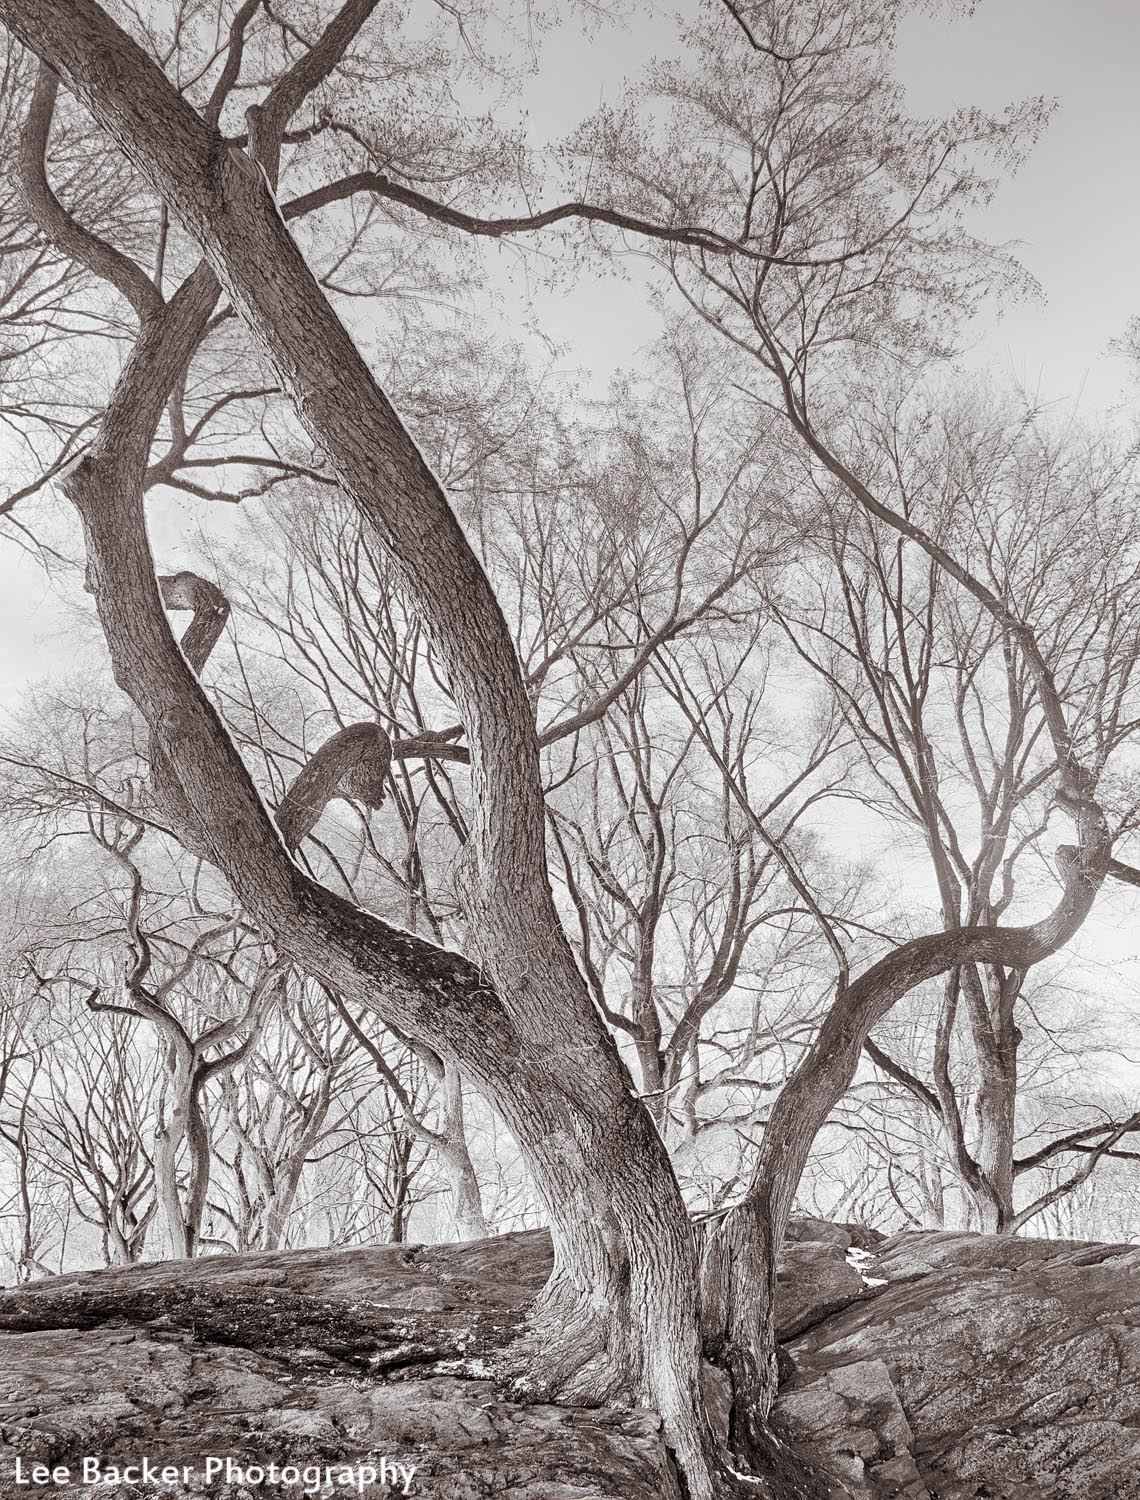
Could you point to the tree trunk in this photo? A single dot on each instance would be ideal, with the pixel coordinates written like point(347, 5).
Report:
point(119, 1250)
point(400, 1206)
point(739, 1266)
point(182, 1122)
point(198, 1168)
point(168, 1138)
point(619, 1317)
point(280, 1205)
point(996, 1110)
point(467, 1216)
point(996, 1039)
point(935, 1216)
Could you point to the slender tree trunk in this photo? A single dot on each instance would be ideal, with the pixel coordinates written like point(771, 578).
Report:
point(119, 1250)
point(280, 1206)
point(997, 1100)
point(400, 1207)
point(996, 1109)
point(647, 1043)
point(936, 1196)
point(27, 1261)
point(468, 1218)
point(182, 1122)
point(739, 1267)
point(198, 1168)
point(168, 1138)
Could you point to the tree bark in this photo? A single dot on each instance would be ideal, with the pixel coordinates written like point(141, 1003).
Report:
point(740, 1261)
point(619, 1316)
point(996, 1039)
point(182, 1123)
point(467, 1214)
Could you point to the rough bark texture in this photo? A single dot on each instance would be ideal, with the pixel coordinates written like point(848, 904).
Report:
point(738, 1274)
point(739, 1265)
point(451, 1145)
point(620, 1311)
point(351, 763)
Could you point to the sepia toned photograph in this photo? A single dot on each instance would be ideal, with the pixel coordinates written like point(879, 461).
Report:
point(569, 749)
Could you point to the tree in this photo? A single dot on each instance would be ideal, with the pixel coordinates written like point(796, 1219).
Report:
point(535, 1041)
point(621, 1313)
point(91, 1130)
point(947, 714)
point(302, 1086)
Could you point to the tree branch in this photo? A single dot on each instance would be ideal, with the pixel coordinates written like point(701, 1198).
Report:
point(267, 120)
point(709, 241)
point(60, 226)
point(903, 1075)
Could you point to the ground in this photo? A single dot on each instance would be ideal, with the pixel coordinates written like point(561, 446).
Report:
point(926, 1367)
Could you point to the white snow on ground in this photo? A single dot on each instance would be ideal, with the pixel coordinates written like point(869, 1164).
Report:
point(859, 1259)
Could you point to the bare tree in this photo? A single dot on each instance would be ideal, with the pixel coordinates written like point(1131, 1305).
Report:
point(302, 1088)
point(91, 1128)
point(947, 715)
point(864, 237)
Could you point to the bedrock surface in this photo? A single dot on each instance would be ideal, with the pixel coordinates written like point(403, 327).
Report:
point(948, 1366)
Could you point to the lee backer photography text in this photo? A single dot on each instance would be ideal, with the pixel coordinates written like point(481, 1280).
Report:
point(381, 1473)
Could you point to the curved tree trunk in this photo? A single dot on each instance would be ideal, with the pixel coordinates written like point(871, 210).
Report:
point(619, 1317)
point(620, 1313)
point(740, 1262)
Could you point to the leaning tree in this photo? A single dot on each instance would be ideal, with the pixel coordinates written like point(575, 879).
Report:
point(629, 1309)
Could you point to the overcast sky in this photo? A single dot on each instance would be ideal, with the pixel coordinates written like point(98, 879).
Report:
point(1074, 206)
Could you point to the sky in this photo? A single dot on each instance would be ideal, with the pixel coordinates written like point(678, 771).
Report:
point(1074, 208)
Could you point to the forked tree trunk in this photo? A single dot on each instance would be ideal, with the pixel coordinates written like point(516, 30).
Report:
point(281, 1204)
point(118, 1247)
point(619, 1317)
point(739, 1263)
point(182, 1124)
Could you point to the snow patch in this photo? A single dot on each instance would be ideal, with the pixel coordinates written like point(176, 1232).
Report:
point(861, 1261)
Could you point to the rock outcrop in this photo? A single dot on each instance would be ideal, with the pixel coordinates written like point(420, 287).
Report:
point(977, 1367)
point(927, 1367)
